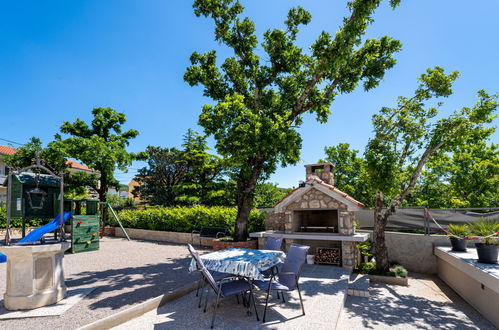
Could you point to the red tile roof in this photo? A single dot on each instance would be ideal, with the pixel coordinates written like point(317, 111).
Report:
point(336, 190)
point(6, 150)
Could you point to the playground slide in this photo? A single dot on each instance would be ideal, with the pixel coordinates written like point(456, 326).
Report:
point(36, 234)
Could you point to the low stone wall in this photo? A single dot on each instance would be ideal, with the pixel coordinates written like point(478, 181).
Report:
point(163, 236)
point(414, 251)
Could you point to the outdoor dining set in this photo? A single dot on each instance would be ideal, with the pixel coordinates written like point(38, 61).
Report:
point(238, 272)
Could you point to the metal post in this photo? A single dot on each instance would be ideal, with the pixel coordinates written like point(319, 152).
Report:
point(9, 202)
point(116, 217)
point(62, 236)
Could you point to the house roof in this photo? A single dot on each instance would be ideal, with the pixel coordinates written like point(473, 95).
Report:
point(6, 150)
point(326, 188)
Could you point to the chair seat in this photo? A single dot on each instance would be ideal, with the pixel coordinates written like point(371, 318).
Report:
point(217, 276)
point(234, 287)
point(264, 285)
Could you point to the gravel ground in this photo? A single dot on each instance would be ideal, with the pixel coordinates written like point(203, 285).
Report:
point(323, 290)
point(427, 303)
point(123, 273)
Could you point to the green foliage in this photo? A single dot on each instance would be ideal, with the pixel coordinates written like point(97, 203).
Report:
point(267, 194)
point(485, 227)
point(462, 231)
point(400, 271)
point(118, 202)
point(366, 248)
point(350, 172)
point(17, 222)
point(165, 169)
point(203, 181)
point(259, 104)
point(54, 159)
point(186, 219)
point(100, 145)
point(366, 267)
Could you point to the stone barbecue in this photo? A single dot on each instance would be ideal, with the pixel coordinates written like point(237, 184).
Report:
point(319, 215)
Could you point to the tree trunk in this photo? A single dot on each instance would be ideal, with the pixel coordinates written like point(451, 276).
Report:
point(245, 193)
point(380, 220)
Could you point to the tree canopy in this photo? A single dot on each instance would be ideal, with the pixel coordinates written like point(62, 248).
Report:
point(260, 100)
point(100, 145)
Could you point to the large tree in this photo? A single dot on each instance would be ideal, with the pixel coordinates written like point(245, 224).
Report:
point(100, 145)
point(407, 136)
point(259, 103)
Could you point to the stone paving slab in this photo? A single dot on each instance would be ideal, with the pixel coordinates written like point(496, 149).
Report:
point(74, 296)
point(323, 290)
point(427, 303)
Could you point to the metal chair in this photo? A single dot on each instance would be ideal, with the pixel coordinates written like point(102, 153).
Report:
point(225, 289)
point(272, 243)
point(217, 276)
point(287, 277)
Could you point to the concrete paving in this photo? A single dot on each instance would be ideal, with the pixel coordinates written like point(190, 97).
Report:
point(427, 303)
point(323, 290)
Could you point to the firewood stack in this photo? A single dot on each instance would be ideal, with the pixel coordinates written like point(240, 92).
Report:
point(330, 256)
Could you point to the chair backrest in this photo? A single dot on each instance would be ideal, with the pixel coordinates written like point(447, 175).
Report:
point(295, 259)
point(200, 266)
point(273, 243)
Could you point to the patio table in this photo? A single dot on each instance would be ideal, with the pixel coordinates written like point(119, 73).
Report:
point(242, 262)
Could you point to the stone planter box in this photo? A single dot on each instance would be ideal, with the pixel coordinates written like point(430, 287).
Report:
point(222, 245)
point(392, 280)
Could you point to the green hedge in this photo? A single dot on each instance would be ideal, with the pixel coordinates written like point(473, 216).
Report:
point(17, 222)
point(187, 219)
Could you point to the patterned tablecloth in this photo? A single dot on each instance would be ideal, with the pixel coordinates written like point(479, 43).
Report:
point(243, 262)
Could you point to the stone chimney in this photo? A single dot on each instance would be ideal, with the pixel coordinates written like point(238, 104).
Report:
point(323, 171)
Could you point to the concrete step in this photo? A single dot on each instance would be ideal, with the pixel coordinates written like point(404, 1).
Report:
point(358, 285)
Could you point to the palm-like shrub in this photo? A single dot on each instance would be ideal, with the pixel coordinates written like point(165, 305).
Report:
point(461, 231)
point(486, 227)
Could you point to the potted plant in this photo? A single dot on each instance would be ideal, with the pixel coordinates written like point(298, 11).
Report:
point(488, 249)
point(459, 238)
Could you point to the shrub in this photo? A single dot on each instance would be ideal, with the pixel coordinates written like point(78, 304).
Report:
point(461, 231)
point(18, 222)
point(186, 219)
point(485, 227)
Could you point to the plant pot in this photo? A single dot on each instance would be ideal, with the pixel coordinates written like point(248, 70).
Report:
point(458, 244)
point(487, 253)
point(222, 244)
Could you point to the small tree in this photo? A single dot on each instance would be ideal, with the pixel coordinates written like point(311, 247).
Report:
point(267, 194)
point(203, 182)
point(405, 138)
point(259, 104)
point(165, 169)
point(54, 159)
point(100, 145)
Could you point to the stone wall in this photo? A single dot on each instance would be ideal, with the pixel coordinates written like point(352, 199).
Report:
point(164, 236)
point(315, 199)
point(274, 221)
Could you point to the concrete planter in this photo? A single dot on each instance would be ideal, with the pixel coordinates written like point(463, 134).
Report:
point(222, 245)
point(392, 280)
point(35, 275)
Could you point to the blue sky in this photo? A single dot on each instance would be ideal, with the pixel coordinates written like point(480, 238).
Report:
point(60, 59)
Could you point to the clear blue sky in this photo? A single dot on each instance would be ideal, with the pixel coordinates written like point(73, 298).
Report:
point(60, 59)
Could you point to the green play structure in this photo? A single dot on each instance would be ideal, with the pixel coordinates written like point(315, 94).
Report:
point(38, 196)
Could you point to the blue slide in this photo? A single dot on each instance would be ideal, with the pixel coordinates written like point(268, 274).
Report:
point(36, 234)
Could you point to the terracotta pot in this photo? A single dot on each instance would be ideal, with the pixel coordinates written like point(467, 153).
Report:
point(222, 245)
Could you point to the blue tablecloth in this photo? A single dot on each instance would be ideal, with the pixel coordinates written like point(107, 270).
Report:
point(242, 262)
